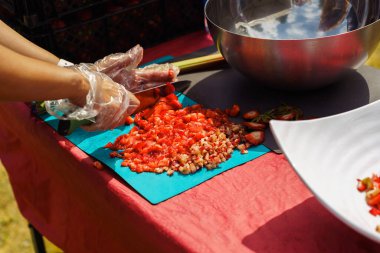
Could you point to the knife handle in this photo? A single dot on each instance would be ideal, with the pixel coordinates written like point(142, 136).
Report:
point(199, 62)
point(66, 127)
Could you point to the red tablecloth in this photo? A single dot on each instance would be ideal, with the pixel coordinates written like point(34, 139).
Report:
point(261, 206)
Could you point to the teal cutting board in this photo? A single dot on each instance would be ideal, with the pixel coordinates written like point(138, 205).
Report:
point(153, 187)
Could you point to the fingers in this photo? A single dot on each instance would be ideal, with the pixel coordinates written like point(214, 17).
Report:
point(153, 75)
point(110, 64)
point(125, 77)
point(139, 79)
point(157, 73)
point(114, 104)
point(128, 106)
point(122, 68)
point(133, 104)
point(147, 99)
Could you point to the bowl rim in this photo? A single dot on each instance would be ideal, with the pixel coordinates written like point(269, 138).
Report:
point(295, 40)
point(277, 124)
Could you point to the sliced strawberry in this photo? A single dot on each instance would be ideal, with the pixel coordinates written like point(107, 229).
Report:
point(287, 112)
point(233, 111)
point(175, 104)
point(255, 137)
point(254, 125)
point(170, 97)
point(251, 114)
point(144, 114)
point(287, 116)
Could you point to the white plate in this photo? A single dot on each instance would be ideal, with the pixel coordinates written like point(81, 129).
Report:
point(330, 154)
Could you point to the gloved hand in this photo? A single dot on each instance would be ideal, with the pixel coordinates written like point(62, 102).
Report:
point(107, 102)
point(122, 68)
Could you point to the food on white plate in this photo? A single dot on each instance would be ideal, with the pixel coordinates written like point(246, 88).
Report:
point(371, 187)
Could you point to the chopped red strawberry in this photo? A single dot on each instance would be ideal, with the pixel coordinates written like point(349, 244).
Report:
point(170, 97)
point(361, 186)
point(169, 138)
point(157, 92)
point(169, 89)
point(374, 211)
point(373, 200)
point(98, 165)
point(109, 145)
point(128, 120)
point(172, 100)
point(114, 154)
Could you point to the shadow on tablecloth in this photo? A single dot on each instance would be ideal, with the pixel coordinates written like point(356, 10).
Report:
point(307, 227)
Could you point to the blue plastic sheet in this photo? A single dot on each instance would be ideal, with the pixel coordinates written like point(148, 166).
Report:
point(153, 187)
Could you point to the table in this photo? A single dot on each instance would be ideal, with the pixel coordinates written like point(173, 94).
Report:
point(261, 206)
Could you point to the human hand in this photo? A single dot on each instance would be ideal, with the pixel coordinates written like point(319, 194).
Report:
point(107, 103)
point(123, 69)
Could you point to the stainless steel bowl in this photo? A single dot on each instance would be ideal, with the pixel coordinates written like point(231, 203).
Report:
point(317, 59)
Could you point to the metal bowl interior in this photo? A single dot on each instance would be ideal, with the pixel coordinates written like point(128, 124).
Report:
point(292, 55)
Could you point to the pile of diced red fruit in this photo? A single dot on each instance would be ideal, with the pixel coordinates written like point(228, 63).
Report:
point(169, 138)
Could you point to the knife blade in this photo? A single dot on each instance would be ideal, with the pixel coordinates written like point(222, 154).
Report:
point(179, 86)
point(66, 127)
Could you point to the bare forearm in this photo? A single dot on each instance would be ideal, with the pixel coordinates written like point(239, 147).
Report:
point(14, 41)
point(26, 79)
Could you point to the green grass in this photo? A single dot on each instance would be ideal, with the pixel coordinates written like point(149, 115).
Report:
point(14, 231)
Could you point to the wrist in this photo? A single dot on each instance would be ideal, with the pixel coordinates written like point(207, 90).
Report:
point(80, 89)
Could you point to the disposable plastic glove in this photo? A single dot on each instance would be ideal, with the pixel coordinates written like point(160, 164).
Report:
point(123, 69)
point(107, 102)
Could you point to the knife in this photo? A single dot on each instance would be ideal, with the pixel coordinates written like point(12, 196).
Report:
point(66, 127)
point(179, 86)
